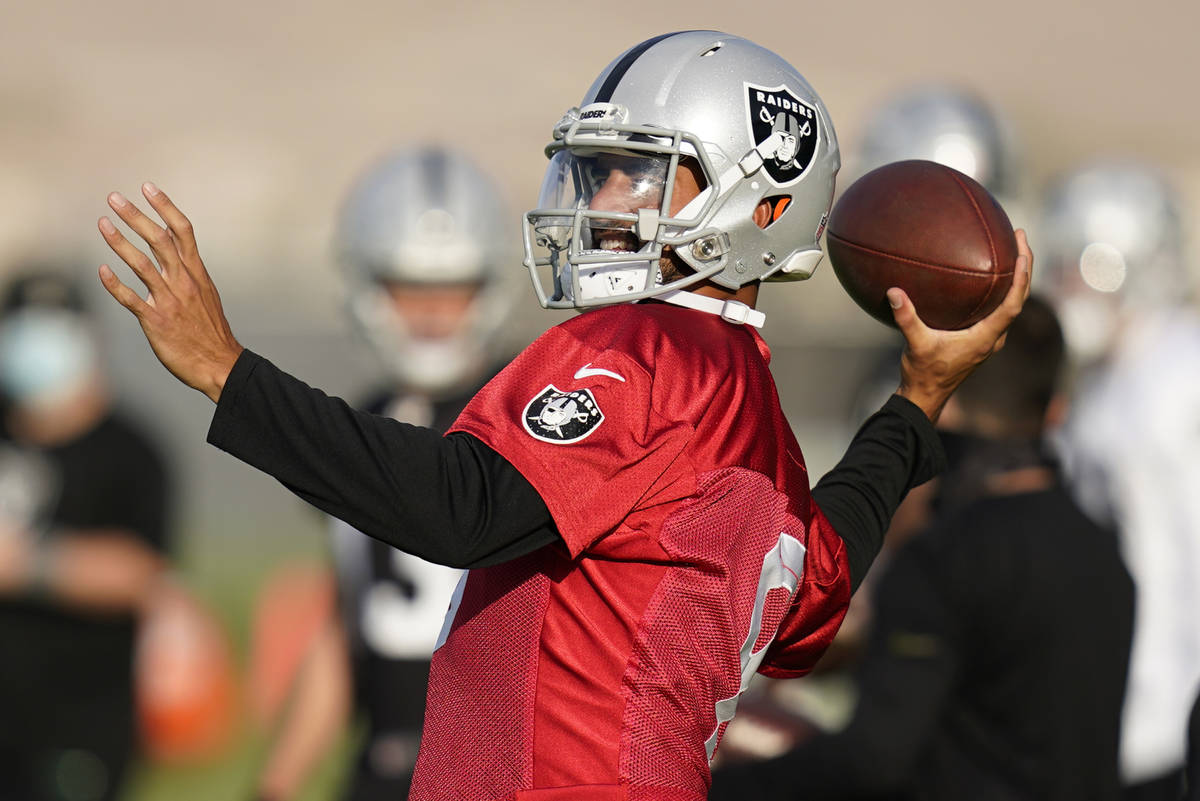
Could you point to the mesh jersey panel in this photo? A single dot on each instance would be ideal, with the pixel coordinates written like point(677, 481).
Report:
point(686, 658)
point(487, 713)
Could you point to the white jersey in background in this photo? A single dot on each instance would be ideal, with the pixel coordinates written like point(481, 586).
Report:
point(1132, 445)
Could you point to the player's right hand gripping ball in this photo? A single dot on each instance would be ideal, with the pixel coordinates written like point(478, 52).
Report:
point(930, 230)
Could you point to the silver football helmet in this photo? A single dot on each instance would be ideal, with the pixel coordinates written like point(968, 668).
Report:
point(736, 116)
point(1111, 244)
point(946, 124)
point(426, 218)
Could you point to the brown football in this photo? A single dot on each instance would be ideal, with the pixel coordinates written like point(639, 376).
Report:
point(930, 230)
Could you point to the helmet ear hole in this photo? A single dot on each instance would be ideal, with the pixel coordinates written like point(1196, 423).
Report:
point(774, 207)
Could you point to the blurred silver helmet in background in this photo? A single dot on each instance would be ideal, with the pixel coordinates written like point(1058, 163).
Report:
point(946, 124)
point(421, 219)
point(1111, 244)
point(753, 128)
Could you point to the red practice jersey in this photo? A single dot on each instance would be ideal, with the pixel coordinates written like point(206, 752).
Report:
point(607, 667)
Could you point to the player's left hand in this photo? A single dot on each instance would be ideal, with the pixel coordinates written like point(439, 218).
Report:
point(182, 316)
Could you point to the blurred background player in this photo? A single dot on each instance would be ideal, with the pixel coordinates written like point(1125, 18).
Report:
point(949, 124)
point(952, 125)
point(83, 525)
point(1115, 266)
point(424, 240)
point(996, 663)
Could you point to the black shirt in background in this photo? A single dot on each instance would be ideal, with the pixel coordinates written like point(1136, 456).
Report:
point(995, 669)
point(389, 689)
point(66, 672)
point(1191, 779)
point(454, 501)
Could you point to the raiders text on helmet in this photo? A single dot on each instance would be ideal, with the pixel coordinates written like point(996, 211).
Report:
point(750, 125)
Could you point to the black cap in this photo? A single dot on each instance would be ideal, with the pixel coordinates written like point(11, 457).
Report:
point(48, 289)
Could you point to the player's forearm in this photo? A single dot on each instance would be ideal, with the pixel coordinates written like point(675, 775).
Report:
point(110, 572)
point(318, 714)
point(99, 571)
point(449, 500)
point(894, 451)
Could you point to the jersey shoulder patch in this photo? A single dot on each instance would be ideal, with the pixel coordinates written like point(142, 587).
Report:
point(562, 418)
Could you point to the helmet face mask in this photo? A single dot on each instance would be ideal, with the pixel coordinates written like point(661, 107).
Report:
point(750, 129)
point(604, 220)
point(425, 358)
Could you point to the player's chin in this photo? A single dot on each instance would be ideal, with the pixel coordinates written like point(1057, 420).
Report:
point(671, 267)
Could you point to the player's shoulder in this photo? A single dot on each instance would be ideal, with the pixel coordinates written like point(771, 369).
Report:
point(1013, 527)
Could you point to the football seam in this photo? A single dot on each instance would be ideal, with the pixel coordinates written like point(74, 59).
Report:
point(991, 242)
point(918, 262)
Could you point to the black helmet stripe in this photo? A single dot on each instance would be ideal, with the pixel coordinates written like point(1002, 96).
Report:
point(434, 176)
point(621, 67)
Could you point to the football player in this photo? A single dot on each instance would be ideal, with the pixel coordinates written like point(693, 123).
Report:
point(955, 126)
point(1132, 446)
point(627, 493)
point(1004, 685)
point(945, 123)
point(423, 237)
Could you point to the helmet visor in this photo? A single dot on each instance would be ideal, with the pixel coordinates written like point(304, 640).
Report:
point(611, 186)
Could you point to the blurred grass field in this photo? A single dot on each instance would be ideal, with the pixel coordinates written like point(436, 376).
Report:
point(228, 587)
point(231, 776)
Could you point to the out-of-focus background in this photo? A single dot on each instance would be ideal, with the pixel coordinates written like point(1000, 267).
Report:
point(256, 117)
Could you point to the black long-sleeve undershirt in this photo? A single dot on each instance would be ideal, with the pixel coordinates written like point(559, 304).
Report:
point(896, 449)
point(455, 501)
point(450, 500)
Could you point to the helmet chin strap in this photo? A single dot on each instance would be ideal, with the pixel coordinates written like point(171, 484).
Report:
point(732, 311)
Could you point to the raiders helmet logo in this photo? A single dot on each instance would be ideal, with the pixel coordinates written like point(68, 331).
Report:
point(777, 114)
point(562, 417)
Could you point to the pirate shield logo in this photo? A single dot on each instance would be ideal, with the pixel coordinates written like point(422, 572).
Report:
point(792, 123)
point(562, 417)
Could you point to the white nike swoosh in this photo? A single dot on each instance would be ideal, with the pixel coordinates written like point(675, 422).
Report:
point(587, 371)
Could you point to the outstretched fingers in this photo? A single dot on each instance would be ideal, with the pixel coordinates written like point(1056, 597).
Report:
point(123, 294)
point(139, 262)
point(178, 223)
point(161, 243)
